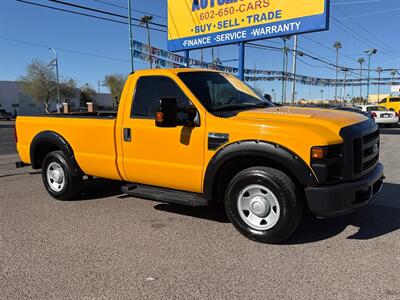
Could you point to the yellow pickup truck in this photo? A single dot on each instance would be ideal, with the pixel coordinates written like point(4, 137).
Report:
point(391, 103)
point(194, 137)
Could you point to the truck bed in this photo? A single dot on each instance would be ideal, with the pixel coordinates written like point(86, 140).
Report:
point(91, 136)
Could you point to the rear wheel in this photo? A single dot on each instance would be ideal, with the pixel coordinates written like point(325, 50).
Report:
point(262, 203)
point(58, 177)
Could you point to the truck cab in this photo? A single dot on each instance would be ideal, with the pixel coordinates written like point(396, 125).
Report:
point(197, 137)
point(391, 103)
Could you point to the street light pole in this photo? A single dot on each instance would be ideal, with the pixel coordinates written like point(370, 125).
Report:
point(345, 70)
point(369, 52)
point(130, 33)
point(283, 71)
point(294, 67)
point(58, 79)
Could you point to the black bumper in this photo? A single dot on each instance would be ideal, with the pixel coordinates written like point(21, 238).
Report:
point(330, 201)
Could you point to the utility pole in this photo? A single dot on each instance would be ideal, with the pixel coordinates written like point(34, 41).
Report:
point(294, 67)
point(130, 32)
point(284, 67)
point(242, 49)
point(345, 70)
point(361, 60)
point(369, 52)
point(58, 79)
point(286, 71)
point(338, 46)
point(379, 70)
point(254, 75)
point(212, 56)
point(98, 86)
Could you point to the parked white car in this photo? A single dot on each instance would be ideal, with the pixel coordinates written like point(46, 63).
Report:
point(381, 114)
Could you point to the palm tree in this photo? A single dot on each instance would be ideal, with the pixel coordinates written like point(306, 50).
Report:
point(361, 61)
point(338, 46)
point(144, 21)
point(379, 70)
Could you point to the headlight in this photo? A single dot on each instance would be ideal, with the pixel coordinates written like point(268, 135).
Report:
point(327, 163)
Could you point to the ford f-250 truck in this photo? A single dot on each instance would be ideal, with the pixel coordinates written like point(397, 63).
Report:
point(196, 136)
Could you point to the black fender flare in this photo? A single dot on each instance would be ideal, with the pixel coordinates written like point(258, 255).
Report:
point(273, 152)
point(53, 138)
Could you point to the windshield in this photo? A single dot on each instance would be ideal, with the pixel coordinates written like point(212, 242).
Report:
point(377, 108)
point(221, 91)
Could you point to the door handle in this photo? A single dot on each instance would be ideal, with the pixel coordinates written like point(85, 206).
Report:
point(127, 135)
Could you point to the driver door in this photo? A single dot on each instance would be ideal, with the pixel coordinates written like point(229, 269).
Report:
point(165, 157)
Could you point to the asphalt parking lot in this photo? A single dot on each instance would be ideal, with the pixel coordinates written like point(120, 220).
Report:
point(108, 245)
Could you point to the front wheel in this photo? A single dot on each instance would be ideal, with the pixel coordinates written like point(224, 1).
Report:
point(263, 204)
point(58, 178)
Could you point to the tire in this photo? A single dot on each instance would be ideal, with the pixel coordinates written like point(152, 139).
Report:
point(275, 206)
point(57, 177)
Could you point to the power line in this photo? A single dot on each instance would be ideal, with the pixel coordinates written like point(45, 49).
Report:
point(332, 66)
point(86, 15)
point(102, 11)
point(355, 2)
point(356, 35)
point(64, 50)
point(134, 10)
point(372, 14)
point(329, 48)
point(364, 29)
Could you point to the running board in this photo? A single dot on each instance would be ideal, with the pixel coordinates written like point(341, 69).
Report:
point(164, 195)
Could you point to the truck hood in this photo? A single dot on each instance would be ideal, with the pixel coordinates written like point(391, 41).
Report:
point(334, 120)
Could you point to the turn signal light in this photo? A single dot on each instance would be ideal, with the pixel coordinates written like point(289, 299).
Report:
point(159, 116)
point(319, 152)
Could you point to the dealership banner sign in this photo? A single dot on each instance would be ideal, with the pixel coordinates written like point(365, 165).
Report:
point(206, 23)
point(165, 59)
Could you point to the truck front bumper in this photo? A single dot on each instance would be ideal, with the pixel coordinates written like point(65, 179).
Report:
point(334, 200)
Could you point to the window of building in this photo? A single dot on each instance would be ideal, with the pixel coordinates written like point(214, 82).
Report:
point(150, 89)
point(14, 105)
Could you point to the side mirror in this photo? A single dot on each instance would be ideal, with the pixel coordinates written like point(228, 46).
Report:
point(268, 97)
point(190, 117)
point(166, 112)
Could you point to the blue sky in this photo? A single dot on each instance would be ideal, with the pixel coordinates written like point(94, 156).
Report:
point(367, 24)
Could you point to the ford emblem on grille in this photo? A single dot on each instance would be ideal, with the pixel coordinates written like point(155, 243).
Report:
point(375, 148)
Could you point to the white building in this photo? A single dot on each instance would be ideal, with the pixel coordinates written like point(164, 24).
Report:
point(15, 101)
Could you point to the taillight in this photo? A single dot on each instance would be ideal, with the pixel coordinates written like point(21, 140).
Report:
point(15, 135)
point(373, 115)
